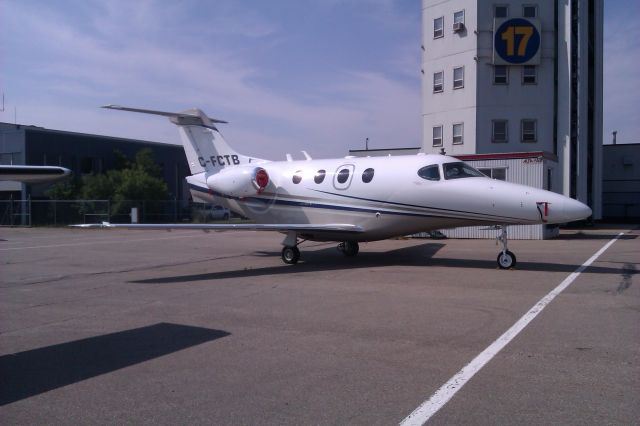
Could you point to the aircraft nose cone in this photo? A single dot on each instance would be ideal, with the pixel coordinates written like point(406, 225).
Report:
point(575, 210)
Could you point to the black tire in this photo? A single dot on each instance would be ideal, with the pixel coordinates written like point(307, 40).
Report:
point(350, 248)
point(290, 255)
point(506, 260)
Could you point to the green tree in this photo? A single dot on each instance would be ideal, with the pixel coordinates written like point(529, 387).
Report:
point(68, 189)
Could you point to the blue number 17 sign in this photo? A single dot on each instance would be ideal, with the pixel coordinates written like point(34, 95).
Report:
point(516, 41)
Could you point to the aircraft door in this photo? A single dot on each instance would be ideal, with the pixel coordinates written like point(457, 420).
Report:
point(343, 176)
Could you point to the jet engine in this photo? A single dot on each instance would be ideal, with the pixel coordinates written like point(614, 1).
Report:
point(239, 181)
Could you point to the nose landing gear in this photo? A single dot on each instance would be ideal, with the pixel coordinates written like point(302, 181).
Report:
point(506, 259)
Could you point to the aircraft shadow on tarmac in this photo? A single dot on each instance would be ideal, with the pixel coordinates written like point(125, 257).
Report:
point(329, 259)
point(29, 373)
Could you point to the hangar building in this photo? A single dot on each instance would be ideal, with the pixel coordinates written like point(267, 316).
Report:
point(82, 154)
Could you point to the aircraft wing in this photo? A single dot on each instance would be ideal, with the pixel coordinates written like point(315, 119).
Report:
point(338, 227)
point(32, 174)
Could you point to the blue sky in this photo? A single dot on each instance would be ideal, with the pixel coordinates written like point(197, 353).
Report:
point(318, 75)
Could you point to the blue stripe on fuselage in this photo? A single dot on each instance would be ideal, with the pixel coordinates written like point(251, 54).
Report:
point(343, 208)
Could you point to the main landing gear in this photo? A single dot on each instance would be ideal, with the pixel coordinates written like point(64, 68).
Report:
point(349, 248)
point(506, 259)
point(291, 253)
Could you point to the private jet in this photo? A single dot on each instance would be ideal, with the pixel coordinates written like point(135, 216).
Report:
point(351, 200)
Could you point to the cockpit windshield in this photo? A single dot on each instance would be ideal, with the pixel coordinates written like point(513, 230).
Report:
point(459, 170)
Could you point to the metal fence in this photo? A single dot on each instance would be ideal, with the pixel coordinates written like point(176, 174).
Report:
point(67, 212)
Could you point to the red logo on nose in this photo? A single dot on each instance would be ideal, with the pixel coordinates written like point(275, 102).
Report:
point(543, 209)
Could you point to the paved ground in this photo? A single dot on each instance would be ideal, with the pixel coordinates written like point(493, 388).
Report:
point(151, 327)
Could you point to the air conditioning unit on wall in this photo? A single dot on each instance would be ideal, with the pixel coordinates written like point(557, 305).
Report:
point(458, 26)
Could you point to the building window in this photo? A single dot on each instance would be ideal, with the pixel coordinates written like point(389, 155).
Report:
point(529, 11)
point(437, 135)
point(367, 175)
point(458, 78)
point(438, 81)
point(319, 177)
point(86, 165)
point(438, 27)
point(500, 74)
point(458, 18)
point(528, 130)
point(500, 11)
point(458, 134)
point(529, 74)
point(499, 173)
point(499, 133)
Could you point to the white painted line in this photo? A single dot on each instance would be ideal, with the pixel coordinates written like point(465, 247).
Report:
point(423, 413)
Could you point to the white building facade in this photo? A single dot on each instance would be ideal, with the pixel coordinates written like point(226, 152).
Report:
point(517, 76)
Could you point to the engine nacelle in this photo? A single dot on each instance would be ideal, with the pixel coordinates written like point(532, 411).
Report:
point(239, 181)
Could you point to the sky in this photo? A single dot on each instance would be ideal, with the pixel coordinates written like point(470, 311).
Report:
point(288, 75)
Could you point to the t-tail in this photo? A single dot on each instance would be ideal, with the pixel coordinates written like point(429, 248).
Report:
point(206, 149)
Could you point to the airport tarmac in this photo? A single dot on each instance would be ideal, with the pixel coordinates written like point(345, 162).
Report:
point(187, 327)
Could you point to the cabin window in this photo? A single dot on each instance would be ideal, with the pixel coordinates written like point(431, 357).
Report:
point(460, 170)
point(319, 177)
point(297, 177)
point(367, 175)
point(343, 175)
point(431, 172)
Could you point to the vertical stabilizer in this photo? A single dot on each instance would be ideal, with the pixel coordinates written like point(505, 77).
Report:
point(204, 146)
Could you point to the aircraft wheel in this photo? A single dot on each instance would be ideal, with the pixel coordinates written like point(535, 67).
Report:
point(290, 255)
point(350, 248)
point(506, 260)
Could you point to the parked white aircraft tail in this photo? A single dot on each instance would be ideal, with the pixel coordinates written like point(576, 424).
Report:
point(351, 200)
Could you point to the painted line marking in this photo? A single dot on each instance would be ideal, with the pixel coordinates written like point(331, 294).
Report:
point(427, 409)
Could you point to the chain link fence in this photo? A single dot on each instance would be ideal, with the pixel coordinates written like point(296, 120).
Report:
point(63, 212)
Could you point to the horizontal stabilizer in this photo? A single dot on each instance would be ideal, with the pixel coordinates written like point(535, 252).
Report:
point(340, 227)
point(183, 117)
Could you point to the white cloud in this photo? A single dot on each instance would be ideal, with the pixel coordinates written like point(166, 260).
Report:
point(109, 62)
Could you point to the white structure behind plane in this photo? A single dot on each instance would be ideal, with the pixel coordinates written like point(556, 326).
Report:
point(351, 200)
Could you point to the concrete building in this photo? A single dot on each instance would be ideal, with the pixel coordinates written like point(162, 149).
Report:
point(517, 76)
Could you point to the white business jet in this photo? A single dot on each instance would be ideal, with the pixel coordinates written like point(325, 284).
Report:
point(349, 199)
